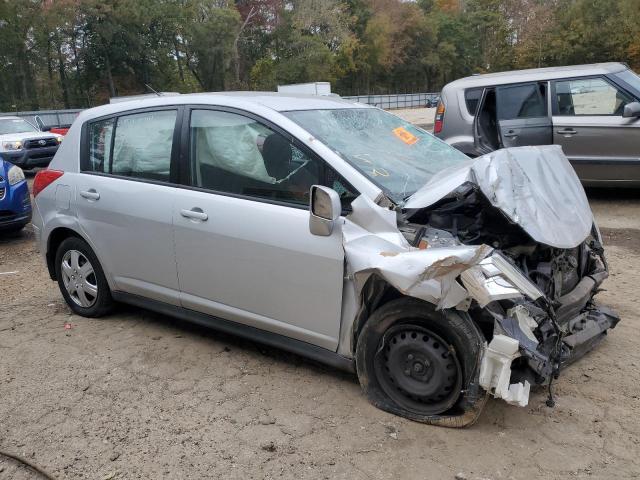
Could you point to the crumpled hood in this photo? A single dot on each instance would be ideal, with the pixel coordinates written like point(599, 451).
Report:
point(535, 187)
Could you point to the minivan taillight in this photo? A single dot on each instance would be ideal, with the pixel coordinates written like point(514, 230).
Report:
point(44, 178)
point(437, 127)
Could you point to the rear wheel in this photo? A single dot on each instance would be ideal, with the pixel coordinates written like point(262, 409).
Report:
point(81, 279)
point(417, 362)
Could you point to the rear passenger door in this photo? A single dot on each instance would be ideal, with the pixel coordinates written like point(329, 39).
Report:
point(243, 246)
point(600, 143)
point(124, 199)
point(523, 116)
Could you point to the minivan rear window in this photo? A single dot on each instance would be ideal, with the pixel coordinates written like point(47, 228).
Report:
point(472, 99)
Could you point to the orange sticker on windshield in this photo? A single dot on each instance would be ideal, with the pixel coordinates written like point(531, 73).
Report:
point(405, 136)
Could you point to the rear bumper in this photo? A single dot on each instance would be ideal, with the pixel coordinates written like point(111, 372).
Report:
point(9, 222)
point(35, 157)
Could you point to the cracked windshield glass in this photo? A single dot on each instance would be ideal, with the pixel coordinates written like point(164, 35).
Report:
point(397, 156)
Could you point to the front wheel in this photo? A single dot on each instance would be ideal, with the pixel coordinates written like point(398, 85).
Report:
point(420, 363)
point(81, 279)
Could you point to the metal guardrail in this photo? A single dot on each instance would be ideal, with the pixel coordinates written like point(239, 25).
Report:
point(56, 118)
point(389, 102)
point(51, 118)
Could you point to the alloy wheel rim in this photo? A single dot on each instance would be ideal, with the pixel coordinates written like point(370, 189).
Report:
point(418, 370)
point(79, 278)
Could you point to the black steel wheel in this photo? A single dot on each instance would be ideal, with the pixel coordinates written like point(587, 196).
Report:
point(417, 369)
point(421, 363)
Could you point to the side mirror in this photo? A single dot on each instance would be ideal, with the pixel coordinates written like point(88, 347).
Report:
point(631, 110)
point(325, 209)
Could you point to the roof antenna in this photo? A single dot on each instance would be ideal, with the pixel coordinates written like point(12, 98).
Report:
point(149, 87)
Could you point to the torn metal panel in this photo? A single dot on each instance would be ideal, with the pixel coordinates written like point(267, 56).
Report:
point(535, 187)
point(374, 245)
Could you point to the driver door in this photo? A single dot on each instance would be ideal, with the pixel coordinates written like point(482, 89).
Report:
point(523, 115)
point(244, 251)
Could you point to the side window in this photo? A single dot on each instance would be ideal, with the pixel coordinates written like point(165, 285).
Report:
point(236, 154)
point(137, 145)
point(100, 137)
point(522, 101)
point(142, 145)
point(472, 98)
point(589, 96)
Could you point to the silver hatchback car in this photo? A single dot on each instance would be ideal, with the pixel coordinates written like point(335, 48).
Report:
point(336, 231)
point(591, 111)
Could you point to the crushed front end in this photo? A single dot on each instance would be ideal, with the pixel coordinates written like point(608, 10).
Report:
point(510, 241)
point(534, 302)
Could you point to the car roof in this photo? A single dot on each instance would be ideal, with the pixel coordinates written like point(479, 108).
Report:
point(535, 74)
point(280, 102)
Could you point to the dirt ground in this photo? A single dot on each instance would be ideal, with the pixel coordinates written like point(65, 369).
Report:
point(140, 395)
point(423, 117)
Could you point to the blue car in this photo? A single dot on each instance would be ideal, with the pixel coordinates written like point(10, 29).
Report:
point(15, 203)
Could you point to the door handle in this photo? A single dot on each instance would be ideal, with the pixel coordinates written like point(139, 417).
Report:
point(510, 134)
point(195, 214)
point(90, 194)
point(567, 131)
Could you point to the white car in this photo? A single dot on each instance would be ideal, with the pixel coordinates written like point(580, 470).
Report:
point(25, 145)
point(334, 230)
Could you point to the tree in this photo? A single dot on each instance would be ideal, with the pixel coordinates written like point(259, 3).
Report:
point(78, 53)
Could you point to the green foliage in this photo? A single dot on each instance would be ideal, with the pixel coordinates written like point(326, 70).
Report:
point(78, 53)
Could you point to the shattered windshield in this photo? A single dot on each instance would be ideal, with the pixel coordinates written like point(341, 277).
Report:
point(397, 156)
point(631, 78)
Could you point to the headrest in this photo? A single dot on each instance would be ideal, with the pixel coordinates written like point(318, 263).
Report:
point(276, 152)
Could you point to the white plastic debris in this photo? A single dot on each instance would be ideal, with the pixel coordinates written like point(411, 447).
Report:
point(495, 371)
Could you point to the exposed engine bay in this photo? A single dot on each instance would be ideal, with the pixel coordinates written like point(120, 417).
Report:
point(557, 328)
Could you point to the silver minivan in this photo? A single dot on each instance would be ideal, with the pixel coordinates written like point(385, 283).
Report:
point(336, 231)
point(591, 111)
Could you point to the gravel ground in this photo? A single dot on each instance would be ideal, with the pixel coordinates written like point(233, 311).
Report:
point(140, 395)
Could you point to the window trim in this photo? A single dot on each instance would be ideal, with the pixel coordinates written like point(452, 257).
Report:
point(554, 98)
point(185, 178)
point(175, 145)
point(520, 84)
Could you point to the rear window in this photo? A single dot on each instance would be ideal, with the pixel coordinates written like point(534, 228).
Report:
point(132, 145)
point(472, 99)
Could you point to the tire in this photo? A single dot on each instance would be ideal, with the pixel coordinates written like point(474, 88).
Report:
point(421, 363)
point(81, 279)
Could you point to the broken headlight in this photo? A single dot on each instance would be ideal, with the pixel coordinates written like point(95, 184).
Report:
point(495, 278)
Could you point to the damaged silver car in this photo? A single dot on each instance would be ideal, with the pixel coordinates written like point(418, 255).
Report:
point(336, 231)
